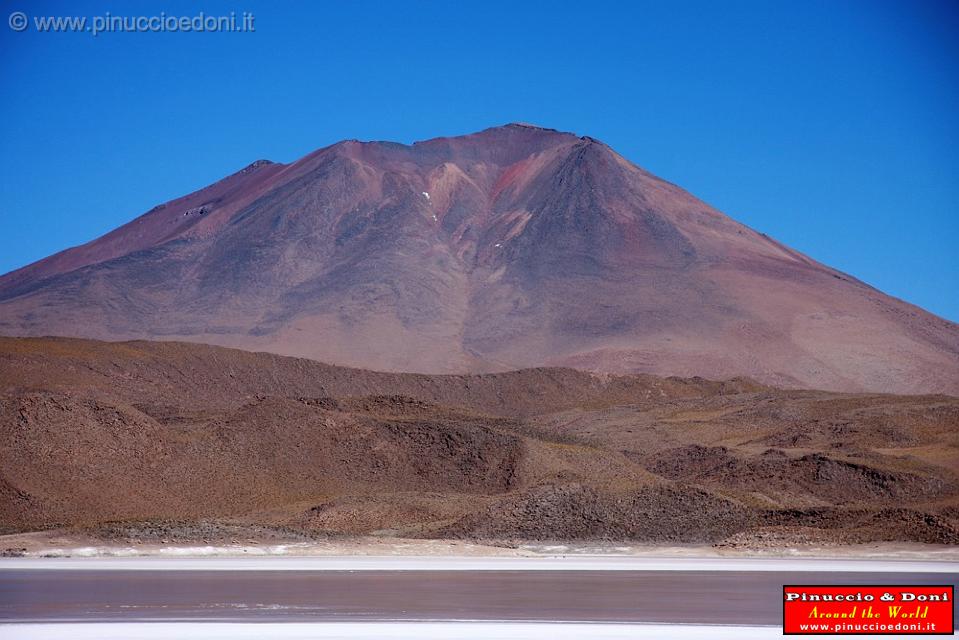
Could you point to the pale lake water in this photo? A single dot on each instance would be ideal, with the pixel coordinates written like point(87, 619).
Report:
point(676, 597)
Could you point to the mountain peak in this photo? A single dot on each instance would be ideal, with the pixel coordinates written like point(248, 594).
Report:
point(527, 125)
point(497, 134)
point(527, 128)
point(513, 247)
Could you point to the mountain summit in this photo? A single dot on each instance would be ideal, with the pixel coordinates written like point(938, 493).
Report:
point(513, 247)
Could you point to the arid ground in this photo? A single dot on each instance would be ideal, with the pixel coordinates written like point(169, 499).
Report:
point(154, 441)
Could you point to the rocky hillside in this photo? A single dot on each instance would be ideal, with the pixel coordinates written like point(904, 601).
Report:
point(116, 436)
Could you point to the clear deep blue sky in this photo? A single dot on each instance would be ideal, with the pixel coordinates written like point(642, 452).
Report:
point(832, 126)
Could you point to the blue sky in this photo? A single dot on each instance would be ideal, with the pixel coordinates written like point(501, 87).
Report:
point(832, 126)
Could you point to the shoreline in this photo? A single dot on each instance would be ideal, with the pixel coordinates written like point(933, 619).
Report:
point(471, 564)
point(49, 548)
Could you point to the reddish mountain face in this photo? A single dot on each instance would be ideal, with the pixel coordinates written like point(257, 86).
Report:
point(513, 247)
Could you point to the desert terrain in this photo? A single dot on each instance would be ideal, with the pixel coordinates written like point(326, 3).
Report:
point(170, 443)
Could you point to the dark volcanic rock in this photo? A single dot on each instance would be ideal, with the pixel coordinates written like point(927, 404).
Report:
point(578, 512)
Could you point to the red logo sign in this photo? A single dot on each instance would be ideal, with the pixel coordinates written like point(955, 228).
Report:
point(861, 610)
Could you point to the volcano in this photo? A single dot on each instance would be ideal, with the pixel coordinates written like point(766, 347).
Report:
point(514, 247)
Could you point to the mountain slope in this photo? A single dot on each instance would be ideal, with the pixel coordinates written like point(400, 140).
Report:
point(513, 247)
